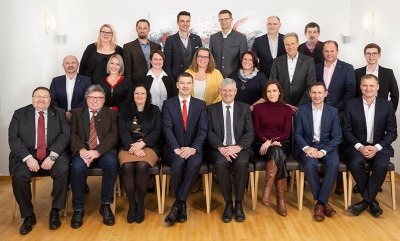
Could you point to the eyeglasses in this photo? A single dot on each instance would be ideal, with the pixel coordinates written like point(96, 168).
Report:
point(203, 57)
point(374, 54)
point(41, 96)
point(224, 19)
point(95, 98)
point(105, 33)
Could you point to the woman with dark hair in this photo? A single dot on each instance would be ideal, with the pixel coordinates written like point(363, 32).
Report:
point(272, 126)
point(94, 60)
point(139, 129)
point(249, 80)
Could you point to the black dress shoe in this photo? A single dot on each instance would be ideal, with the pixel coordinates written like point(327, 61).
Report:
point(27, 225)
point(182, 214)
point(108, 216)
point(358, 208)
point(227, 214)
point(77, 219)
point(239, 214)
point(172, 215)
point(54, 220)
point(375, 210)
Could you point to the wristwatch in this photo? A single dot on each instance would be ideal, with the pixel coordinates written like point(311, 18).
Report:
point(53, 158)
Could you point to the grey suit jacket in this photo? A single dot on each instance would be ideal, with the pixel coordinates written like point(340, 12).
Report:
point(227, 51)
point(295, 93)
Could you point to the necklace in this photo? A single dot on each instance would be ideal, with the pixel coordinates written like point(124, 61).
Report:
point(243, 84)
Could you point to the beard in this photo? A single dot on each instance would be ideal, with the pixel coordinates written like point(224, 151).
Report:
point(142, 36)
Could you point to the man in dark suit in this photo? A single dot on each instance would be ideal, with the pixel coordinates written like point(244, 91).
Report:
point(137, 53)
point(38, 136)
point(317, 134)
point(179, 48)
point(338, 76)
point(68, 91)
point(295, 72)
point(387, 82)
point(369, 128)
point(185, 124)
point(94, 135)
point(312, 47)
point(230, 134)
point(270, 45)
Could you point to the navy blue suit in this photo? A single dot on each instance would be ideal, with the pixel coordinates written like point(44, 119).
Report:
point(184, 172)
point(355, 131)
point(330, 138)
point(342, 86)
point(59, 92)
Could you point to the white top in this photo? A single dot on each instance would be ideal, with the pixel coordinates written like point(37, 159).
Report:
point(199, 88)
point(231, 114)
point(69, 86)
point(317, 116)
point(273, 45)
point(157, 90)
point(291, 63)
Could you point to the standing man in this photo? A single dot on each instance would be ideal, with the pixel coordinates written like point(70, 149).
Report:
point(230, 134)
point(137, 53)
point(369, 128)
point(94, 135)
point(34, 152)
point(227, 45)
point(317, 133)
point(269, 46)
point(68, 91)
point(387, 82)
point(295, 73)
point(179, 48)
point(185, 124)
point(312, 47)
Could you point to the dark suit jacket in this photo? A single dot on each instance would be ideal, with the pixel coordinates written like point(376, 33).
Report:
point(242, 126)
point(331, 133)
point(261, 48)
point(342, 86)
point(387, 84)
point(134, 60)
point(172, 123)
point(174, 59)
point(117, 96)
point(169, 82)
point(295, 93)
point(317, 54)
point(59, 92)
point(106, 122)
point(355, 128)
point(22, 134)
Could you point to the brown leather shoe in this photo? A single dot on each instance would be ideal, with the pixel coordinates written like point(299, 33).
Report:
point(339, 187)
point(270, 174)
point(319, 213)
point(329, 211)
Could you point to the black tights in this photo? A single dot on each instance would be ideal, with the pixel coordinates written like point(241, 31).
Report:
point(135, 177)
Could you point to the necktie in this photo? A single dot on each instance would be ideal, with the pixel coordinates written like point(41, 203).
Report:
point(228, 127)
point(41, 139)
point(184, 114)
point(92, 133)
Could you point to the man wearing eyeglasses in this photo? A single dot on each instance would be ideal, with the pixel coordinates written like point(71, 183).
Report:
point(387, 81)
point(38, 136)
point(94, 135)
point(227, 45)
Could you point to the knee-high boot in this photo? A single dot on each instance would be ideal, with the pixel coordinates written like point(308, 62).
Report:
point(270, 175)
point(280, 196)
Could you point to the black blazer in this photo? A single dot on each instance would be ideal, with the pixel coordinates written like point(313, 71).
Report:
point(122, 92)
point(355, 128)
point(22, 134)
point(173, 64)
point(261, 48)
point(59, 92)
point(387, 84)
point(169, 82)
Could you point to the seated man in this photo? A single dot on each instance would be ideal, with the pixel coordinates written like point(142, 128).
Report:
point(369, 128)
point(33, 152)
point(94, 135)
point(230, 134)
point(184, 123)
point(317, 134)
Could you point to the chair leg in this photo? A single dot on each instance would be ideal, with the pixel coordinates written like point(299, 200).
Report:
point(158, 194)
point(65, 212)
point(301, 191)
point(248, 184)
point(163, 185)
point(253, 196)
point(298, 186)
point(292, 177)
point(350, 189)
point(256, 175)
point(167, 190)
point(33, 187)
point(393, 189)
point(207, 191)
point(14, 207)
point(345, 193)
point(119, 190)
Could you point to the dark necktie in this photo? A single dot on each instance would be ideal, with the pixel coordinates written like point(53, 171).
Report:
point(41, 138)
point(228, 127)
point(92, 133)
point(184, 114)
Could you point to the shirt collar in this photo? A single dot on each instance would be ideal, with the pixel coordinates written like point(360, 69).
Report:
point(181, 36)
point(365, 102)
point(295, 58)
point(333, 64)
point(150, 72)
point(225, 105)
point(181, 99)
point(312, 106)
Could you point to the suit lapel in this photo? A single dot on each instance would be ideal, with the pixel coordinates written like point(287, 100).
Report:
point(266, 44)
point(86, 122)
point(178, 42)
point(299, 65)
point(336, 72)
point(360, 108)
point(310, 120)
point(376, 116)
point(234, 121)
point(76, 88)
point(50, 124)
point(138, 49)
point(178, 113)
point(32, 126)
point(220, 120)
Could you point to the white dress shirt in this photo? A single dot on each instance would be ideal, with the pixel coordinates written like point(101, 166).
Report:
point(273, 45)
point(292, 65)
point(231, 114)
point(69, 86)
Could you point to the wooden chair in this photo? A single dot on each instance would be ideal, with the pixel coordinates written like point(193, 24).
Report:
point(156, 171)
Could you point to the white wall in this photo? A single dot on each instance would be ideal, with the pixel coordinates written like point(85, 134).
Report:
point(29, 57)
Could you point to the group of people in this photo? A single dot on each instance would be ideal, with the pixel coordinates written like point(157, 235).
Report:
point(128, 107)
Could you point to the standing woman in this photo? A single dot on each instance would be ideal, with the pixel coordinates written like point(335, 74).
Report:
point(161, 85)
point(139, 129)
point(118, 88)
point(249, 80)
point(95, 58)
point(206, 78)
point(272, 126)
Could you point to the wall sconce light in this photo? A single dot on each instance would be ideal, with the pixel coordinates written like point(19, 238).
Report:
point(49, 22)
point(369, 23)
point(346, 38)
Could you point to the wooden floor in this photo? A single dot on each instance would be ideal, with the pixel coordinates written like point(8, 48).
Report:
point(261, 224)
